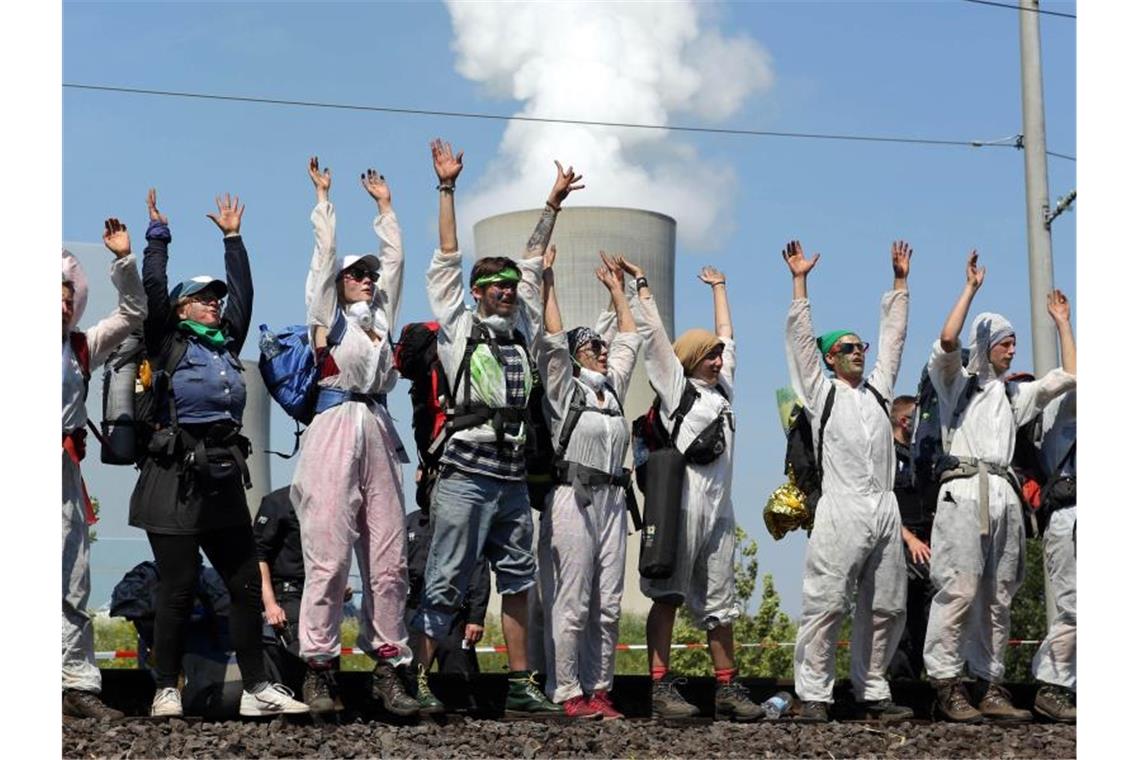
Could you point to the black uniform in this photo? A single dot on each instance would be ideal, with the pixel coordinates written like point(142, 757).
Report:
point(907, 661)
point(452, 657)
point(277, 538)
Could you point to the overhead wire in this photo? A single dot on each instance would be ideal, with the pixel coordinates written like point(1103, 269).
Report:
point(545, 120)
point(1011, 6)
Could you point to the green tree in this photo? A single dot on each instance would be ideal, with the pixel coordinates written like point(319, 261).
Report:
point(768, 627)
point(1027, 615)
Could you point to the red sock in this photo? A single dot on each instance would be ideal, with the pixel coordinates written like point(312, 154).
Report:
point(657, 672)
point(724, 676)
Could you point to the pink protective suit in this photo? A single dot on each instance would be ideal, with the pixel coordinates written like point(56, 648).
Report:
point(347, 488)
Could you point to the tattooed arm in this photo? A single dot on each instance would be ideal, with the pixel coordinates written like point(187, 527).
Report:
point(563, 186)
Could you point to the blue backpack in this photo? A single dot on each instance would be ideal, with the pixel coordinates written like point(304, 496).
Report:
point(289, 368)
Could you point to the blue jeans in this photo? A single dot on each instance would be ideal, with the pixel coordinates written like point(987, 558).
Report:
point(472, 516)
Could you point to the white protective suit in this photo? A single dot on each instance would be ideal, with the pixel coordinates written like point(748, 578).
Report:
point(79, 668)
point(703, 575)
point(347, 488)
point(582, 532)
point(977, 568)
point(1056, 659)
point(855, 549)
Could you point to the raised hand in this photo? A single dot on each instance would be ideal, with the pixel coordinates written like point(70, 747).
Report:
point(549, 257)
point(612, 280)
point(376, 186)
point(115, 237)
point(1059, 307)
point(563, 186)
point(152, 207)
point(322, 181)
point(611, 264)
point(627, 266)
point(975, 274)
point(447, 165)
point(900, 259)
point(229, 214)
point(798, 264)
point(711, 276)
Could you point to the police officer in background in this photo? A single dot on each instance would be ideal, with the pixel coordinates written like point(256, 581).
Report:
point(916, 523)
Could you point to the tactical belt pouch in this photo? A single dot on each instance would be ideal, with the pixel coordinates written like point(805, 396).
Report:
point(1060, 492)
point(664, 476)
point(217, 454)
point(709, 445)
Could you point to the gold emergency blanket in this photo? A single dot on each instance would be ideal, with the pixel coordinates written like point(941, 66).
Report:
point(786, 510)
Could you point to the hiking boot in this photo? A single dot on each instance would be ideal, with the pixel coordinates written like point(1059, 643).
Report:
point(580, 707)
point(733, 701)
point(167, 703)
point(1055, 703)
point(885, 711)
point(601, 702)
point(952, 701)
point(319, 690)
point(273, 699)
point(668, 704)
point(525, 698)
point(813, 712)
point(429, 704)
point(388, 688)
point(78, 703)
point(995, 705)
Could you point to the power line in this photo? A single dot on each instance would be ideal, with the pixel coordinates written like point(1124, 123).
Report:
point(543, 120)
point(1018, 8)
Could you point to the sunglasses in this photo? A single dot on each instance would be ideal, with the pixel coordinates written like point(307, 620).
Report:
point(849, 348)
point(205, 297)
point(597, 345)
point(362, 274)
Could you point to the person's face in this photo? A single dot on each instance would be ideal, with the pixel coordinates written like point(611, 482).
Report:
point(594, 355)
point(847, 357)
point(1001, 355)
point(68, 306)
point(497, 298)
point(358, 283)
point(904, 423)
point(204, 307)
point(710, 366)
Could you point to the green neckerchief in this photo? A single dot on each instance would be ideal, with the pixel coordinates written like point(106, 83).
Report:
point(212, 335)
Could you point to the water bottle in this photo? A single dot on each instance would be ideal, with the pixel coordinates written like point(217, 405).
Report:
point(776, 705)
point(269, 345)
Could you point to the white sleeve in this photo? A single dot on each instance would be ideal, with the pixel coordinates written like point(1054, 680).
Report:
point(1029, 399)
point(390, 289)
point(666, 375)
point(109, 332)
point(623, 357)
point(804, 364)
point(892, 336)
point(320, 285)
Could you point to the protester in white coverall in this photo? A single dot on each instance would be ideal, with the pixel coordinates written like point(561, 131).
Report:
point(978, 539)
point(582, 532)
point(347, 488)
point(1055, 663)
point(703, 574)
point(855, 551)
point(81, 680)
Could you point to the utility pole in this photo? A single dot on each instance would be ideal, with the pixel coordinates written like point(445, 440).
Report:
point(1045, 353)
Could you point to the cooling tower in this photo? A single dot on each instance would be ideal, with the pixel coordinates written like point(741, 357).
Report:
point(644, 237)
point(255, 426)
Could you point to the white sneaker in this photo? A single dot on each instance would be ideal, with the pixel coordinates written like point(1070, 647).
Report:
point(167, 703)
point(274, 699)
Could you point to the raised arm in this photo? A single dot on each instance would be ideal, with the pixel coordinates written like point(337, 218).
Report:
point(975, 275)
point(1059, 310)
point(563, 186)
point(625, 343)
point(723, 319)
point(320, 284)
point(239, 281)
point(551, 316)
point(447, 169)
point(893, 313)
point(155, 258)
point(128, 316)
point(799, 338)
point(551, 350)
point(389, 291)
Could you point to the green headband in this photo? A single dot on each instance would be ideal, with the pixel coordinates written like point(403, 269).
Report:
point(506, 275)
point(827, 340)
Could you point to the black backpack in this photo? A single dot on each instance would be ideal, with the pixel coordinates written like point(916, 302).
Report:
point(803, 456)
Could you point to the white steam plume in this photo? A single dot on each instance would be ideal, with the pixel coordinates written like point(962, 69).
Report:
point(620, 62)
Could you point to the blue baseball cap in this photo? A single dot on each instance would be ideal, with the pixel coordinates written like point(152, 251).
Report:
point(197, 285)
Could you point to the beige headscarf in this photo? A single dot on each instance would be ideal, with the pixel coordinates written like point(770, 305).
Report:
point(693, 346)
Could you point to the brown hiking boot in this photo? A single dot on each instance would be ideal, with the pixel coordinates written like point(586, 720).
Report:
point(952, 702)
point(1055, 703)
point(813, 712)
point(995, 705)
point(86, 704)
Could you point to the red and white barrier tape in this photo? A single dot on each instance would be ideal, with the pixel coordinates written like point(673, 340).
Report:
point(131, 654)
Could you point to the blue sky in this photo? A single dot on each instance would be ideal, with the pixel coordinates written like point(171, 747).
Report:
point(946, 70)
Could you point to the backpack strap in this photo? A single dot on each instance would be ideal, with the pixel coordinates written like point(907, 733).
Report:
point(960, 409)
point(879, 397)
point(828, 403)
point(578, 407)
point(688, 397)
point(82, 352)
